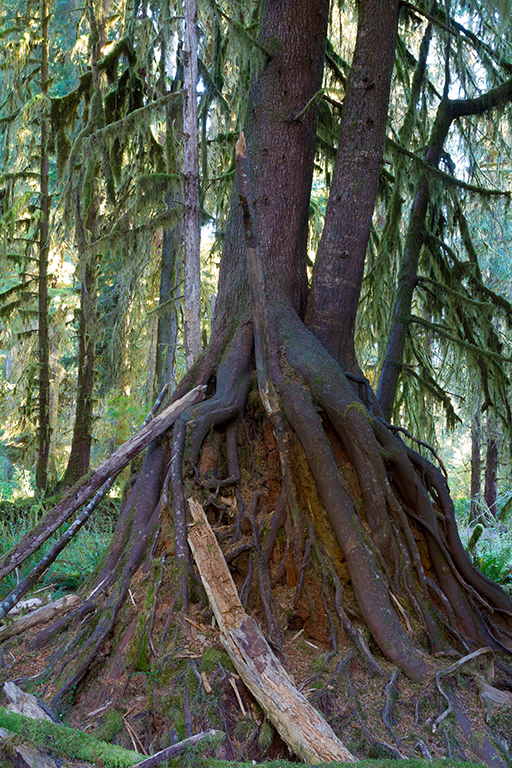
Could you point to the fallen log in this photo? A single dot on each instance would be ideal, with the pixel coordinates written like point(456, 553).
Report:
point(85, 488)
point(304, 730)
point(22, 755)
point(27, 704)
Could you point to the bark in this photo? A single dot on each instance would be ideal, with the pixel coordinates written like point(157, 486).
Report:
point(44, 250)
point(491, 468)
point(475, 467)
point(192, 264)
point(279, 147)
point(448, 111)
point(339, 267)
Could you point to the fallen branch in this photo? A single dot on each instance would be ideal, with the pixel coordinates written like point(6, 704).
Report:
point(179, 748)
point(300, 725)
point(81, 492)
point(40, 616)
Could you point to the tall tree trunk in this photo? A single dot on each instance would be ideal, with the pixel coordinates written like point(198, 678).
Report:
point(80, 455)
point(475, 510)
point(191, 239)
point(339, 268)
point(87, 231)
point(491, 467)
point(167, 332)
point(44, 250)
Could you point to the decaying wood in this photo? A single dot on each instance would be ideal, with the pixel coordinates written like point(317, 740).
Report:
point(22, 755)
point(26, 704)
point(81, 492)
point(304, 730)
point(178, 749)
point(40, 616)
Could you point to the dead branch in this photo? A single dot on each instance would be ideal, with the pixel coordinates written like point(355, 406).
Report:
point(179, 748)
point(81, 492)
point(40, 616)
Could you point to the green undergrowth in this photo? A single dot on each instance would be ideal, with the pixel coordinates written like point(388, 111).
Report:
point(491, 548)
point(78, 560)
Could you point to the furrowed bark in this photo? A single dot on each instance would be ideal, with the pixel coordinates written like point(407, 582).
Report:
point(339, 266)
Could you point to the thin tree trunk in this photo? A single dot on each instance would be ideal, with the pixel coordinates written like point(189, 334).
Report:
point(491, 468)
point(192, 265)
point(44, 249)
point(475, 467)
point(167, 333)
point(339, 267)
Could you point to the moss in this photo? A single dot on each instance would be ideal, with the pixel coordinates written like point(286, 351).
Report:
point(68, 742)
point(112, 724)
point(211, 657)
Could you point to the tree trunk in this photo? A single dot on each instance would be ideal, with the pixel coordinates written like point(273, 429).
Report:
point(44, 250)
point(339, 268)
point(192, 263)
point(80, 455)
point(491, 468)
point(475, 468)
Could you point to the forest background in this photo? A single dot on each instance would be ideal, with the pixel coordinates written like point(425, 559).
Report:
point(95, 305)
point(112, 263)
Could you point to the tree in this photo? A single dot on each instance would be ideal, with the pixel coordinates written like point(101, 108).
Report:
point(376, 514)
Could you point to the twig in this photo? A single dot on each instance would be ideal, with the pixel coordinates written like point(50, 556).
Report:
point(405, 432)
point(437, 722)
point(178, 749)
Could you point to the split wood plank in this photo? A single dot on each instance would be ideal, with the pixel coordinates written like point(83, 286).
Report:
point(304, 730)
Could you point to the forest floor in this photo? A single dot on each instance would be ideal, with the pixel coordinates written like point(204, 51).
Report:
point(160, 697)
